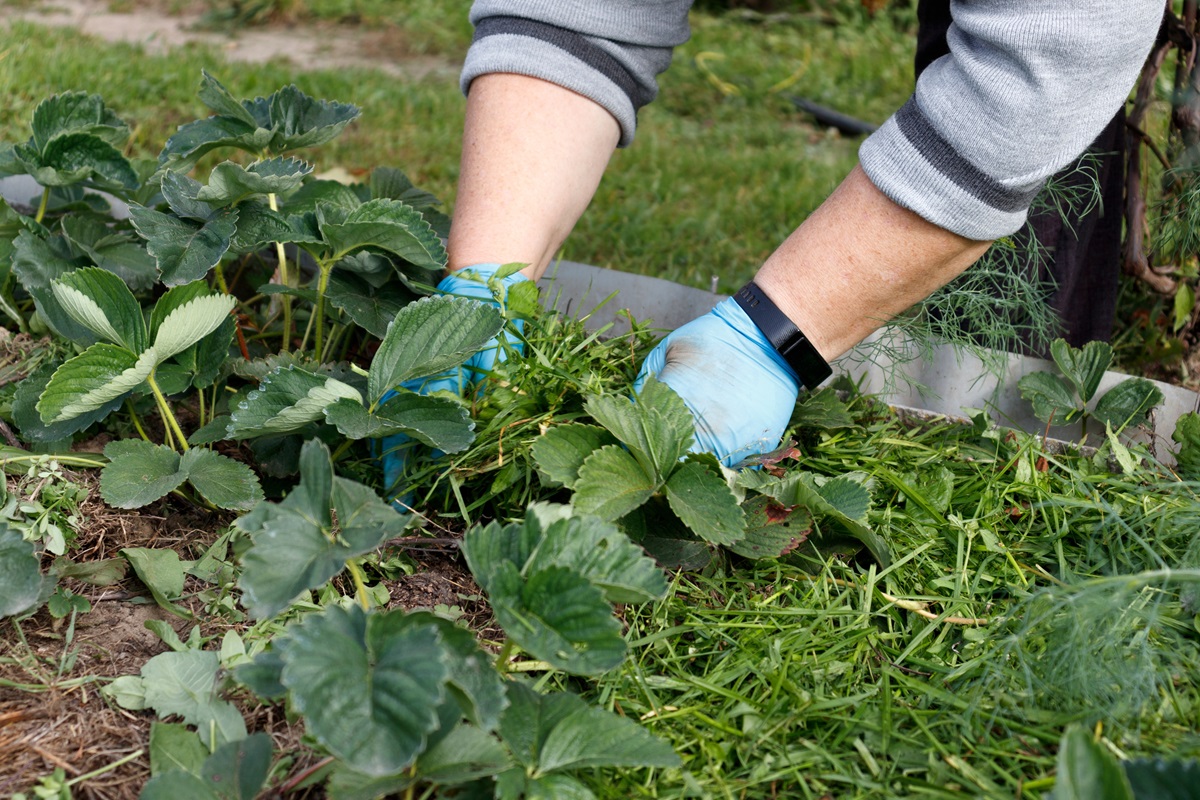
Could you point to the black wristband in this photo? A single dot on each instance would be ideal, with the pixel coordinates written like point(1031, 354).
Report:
point(788, 340)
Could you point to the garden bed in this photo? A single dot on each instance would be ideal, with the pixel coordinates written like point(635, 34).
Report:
point(881, 609)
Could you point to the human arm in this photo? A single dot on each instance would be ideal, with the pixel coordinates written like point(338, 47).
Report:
point(1024, 90)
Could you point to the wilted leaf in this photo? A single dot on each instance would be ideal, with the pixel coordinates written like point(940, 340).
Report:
point(772, 530)
point(159, 570)
point(186, 684)
point(175, 748)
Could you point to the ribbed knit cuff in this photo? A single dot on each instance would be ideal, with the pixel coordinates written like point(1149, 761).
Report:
point(586, 65)
point(911, 163)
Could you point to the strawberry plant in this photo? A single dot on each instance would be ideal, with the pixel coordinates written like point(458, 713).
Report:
point(1065, 399)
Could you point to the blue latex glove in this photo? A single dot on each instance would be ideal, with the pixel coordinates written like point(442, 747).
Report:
point(470, 282)
point(739, 389)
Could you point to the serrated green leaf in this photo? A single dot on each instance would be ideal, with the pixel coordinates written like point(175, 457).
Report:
point(76, 112)
point(138, 473)
point(595, 549)
point(302, 121)
point(295, 546)
point(389, 225)
point(369, 686)
point(112, 250)
point(705, 503)
point(824, 410)
point(102, 303)
point(75, 157)
point(1087, 771)
point(90, 380)
point(428, 337)
point(1085, 366)
point(559, 731)
point(220, 480)
point(847, 494)
point(657, 427)
point(195, 139)
point(182, 196)
point(186, 684)
point(214, 95)
point(286, 400)
point(230, 183)
point(772, 530)
point(1127, 403)
point(372, 308)
point(319, 191)
point(258, 225)
point(29, 421)
point(36, 262)
point(471, 678)
point(184, 250)
point(561, 451)
point(465, 755)
point(21, 582)
point(437, 422)
point(187, 324)
point(1051, 396)
point(556, 615)
point(238, 769)
point(611, 484)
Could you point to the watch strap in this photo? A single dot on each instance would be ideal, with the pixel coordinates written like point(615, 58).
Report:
point(788, 340)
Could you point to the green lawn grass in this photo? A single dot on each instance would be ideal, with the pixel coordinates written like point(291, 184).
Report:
point(710, 186)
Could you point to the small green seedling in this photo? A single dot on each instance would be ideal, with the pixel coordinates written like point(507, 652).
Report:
point(1063, 400)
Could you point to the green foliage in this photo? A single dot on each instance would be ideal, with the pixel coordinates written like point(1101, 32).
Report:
point(297, 545)
point(551, 579)
point(236, 770)
point(74, 138)
point(1065, 399)
point(23, 588)
point(1187, 435)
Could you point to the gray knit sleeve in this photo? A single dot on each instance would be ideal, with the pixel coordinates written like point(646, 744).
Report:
point(1025, 89)
point(608, 50)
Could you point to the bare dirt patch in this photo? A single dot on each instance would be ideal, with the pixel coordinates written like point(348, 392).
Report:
point(309, 46)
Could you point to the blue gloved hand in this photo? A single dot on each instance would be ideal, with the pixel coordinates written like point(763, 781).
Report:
point(739, 389)
point(471, 282)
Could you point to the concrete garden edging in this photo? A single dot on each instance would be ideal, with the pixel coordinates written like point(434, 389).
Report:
point(954, 381)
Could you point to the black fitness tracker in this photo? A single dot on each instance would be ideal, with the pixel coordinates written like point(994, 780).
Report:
point(788, 340)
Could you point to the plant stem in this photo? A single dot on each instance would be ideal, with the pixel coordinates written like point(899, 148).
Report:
point(200, 394)
point(322, 285)
point(41, 212)
point(360, 584)
point(106, 768)
point(219, 275)
point(506, 651)
point(165, 410)
point(284, 300)
point(137, 423)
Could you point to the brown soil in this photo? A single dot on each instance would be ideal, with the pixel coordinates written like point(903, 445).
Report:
point(61, 721)
point(309, 46)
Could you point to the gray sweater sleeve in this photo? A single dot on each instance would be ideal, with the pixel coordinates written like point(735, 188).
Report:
point(610, 51)
point(1025, 89)
point(1027, 86)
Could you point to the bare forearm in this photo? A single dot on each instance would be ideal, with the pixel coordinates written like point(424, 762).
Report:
point(858, 261)
point(533, 155)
